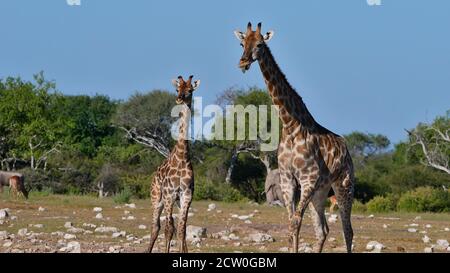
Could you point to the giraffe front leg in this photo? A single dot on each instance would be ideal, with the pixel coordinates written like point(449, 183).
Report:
point(307, 192)
point(288, 188)
point(157, 209)
point(169, 227)
point(182, 221)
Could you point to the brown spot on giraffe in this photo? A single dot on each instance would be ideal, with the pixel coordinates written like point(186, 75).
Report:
point(308, 154)
point(174, 179)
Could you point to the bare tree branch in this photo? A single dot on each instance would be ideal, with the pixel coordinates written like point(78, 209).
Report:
point(149, 140)
point(434, 158)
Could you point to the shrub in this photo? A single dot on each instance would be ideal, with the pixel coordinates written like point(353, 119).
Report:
point(208, 190)
point(358, 206)
point(138, 184)
point(381, 204)
point(425, 199)
point(123, 196)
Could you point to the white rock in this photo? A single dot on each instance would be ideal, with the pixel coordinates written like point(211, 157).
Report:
point(13, 218)
point(75, 230)
point(106, 229)
point(7, 244)
point(385, 226)
point(414, 225)
point(260, 237)
point(131, 217)
point(89, 225)
point(142, 227)
point(57, 233)
point(370, 216)
point(41, 209)
point(333, 218)
point(73, 247)
point(283, 249)
point(68, 236)
point(131, 206)
point(331, 239)
point(193, 232)
point(426, 239)
point(190, 214)
point(375, 246)
point(428, 226)
point(22, 232)
point(247, 221)
point(447, 229)
point(118, 234)
point(68, 225)
point(412, 230)
point(126, 212)
point(3, 214)
point(442, 244)
point(4, 235)
point(97, 209)
point(234, 216)
point(418, 218)
point(233, 237)
point(211, 207)
point(99, 216)
point(38, 226)
point(428, 250)
point(244, 217)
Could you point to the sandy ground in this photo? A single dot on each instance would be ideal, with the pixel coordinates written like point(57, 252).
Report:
point(229, 228)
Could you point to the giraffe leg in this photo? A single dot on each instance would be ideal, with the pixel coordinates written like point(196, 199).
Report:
point(185, 201)
point(344, 194)
point(307, 192)
point(169, 227)
point(317, 209)
point(288, 188)
point(157, 209)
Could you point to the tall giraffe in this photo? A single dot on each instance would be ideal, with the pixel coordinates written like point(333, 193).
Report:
point(174, 179)
point(309, 155)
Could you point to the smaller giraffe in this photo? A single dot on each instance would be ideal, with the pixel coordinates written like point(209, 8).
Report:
point(173, 181)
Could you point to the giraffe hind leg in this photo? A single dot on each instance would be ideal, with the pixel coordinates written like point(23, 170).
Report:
point(317, 209)
point(344, 194)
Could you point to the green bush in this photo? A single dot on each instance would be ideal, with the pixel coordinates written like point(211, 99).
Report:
point(123, 196)
point(381, 204)
point(425, 199)
point(208, 190)
point(358, 206)
point(138, 184)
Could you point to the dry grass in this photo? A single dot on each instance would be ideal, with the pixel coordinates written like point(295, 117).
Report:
point(271, 220)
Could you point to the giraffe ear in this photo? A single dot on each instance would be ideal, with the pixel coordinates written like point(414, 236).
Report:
point(268, 36)
point(175, 83)
point(196, 84)
point(239, 35)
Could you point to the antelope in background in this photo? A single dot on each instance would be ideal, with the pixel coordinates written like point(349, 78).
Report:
point(15, 181)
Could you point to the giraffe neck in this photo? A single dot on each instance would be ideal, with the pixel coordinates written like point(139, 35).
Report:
point(182, 145)
point(292, 111)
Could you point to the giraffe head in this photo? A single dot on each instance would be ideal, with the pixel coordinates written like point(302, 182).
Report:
point(253, 43)
point(185, 89)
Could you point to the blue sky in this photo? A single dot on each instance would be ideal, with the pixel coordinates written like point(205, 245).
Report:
point(376, 69)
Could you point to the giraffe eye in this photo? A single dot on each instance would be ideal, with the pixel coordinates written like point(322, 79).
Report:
point(259, 45)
